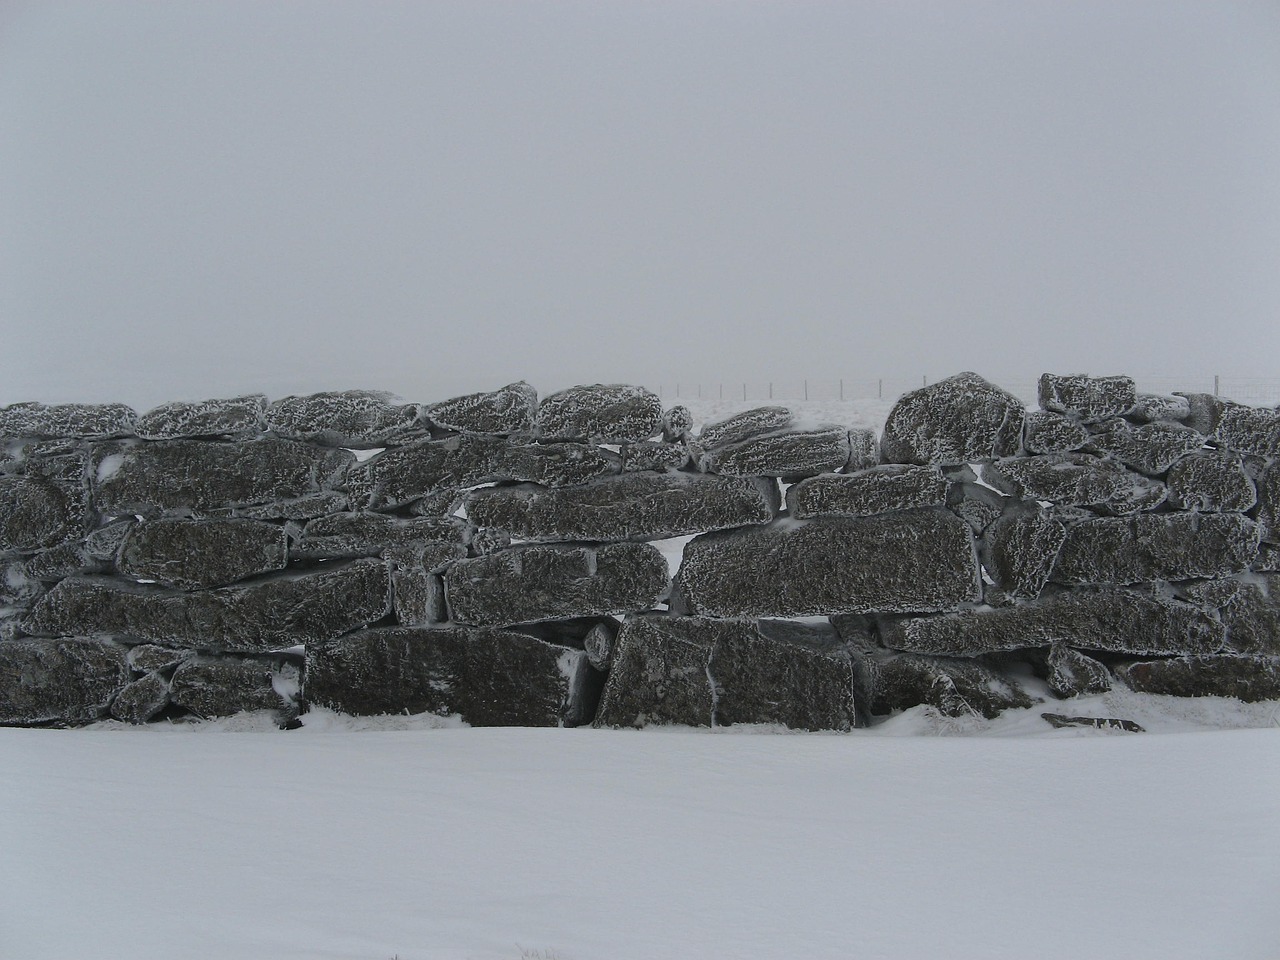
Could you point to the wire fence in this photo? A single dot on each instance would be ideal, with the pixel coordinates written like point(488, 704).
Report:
point(1254, 390)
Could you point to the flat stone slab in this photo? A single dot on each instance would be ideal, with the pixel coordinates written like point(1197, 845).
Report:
point(1044, 431)
point(1251, 430)
point(142, 699)
point(240, 418)
point(265, 615)
point(1148, 547)
point(355, 419)
point(600, 413)
point(1075, 480)
point(528, 584)
point(1156, 407)
point(865, 493)
point(1087, 398)
point(790, 454)
point(38, 421)
point(365, 534)
point(958, 420)
point(634, 506)
point(211, 687)
point(699, 672)
point(195, 554)
point(654, 455)
point(488, 677)
point(59, 680)
point(955, 688)
point(911, 561)
point(1211, 483)
point(1112, 621)
point(201, 476)
point(1249, 607)
point(748, 423)
point(1247, 678)
point(504, 411)
point(1060, 721)
point(1151, 448)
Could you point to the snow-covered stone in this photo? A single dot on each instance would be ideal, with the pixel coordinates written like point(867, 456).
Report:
point(508, 410)
point(790, 454)
point(1249, 607)
point(654, 455)
point(958, 420)
point(194, 554)
point(1151, 448)
point(142, 699)
point(212, 687)
point(1247, 678)
point(355, 419)
point(677, 424)
point(34, 515)
point(600, 413)
point(1018, 549)
point(955, 688)
point(65, 560)
point(59, 680)
point(880, 489)
point(1087, 398)
point(1249, 430)
point(1147, 547)
point(39, 421)
point(1154, 407)
point(237, 417)
point(417, 596)
point(1205, 411)
point(1268, 486)
point(1070, 673)
point(16, 586)
point(104, 542)
point(297, 508)
point(975, 504)
point(149, 658)
point(1075, 480)
point(741, 426)
point(1211, 482)
point(599, 643)
point(366, 534)
point(1044, 431)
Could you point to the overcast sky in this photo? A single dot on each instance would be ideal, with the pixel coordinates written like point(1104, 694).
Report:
point(199, 199)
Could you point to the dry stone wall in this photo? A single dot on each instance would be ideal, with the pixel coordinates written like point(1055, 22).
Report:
point(491, 556)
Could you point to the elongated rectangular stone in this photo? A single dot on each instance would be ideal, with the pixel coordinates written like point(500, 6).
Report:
point(59, 680)
point(881, 489)
point(191, 554)
point(1148, 547)
point(366, 534)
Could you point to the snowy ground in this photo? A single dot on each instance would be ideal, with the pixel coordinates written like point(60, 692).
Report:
point(417, 838)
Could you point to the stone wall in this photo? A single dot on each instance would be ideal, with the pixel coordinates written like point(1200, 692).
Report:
point(491, 556)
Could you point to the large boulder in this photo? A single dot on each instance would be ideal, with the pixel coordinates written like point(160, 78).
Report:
point(200, 476)
point(34, 515)
point(486, 676)
point(955, 688)
point(1211, 482)
point(911, 561)
point(1247, 678)
point(367, 534)
point(958, 420)
point(1018, 549)
point(1112, 621)
point(634, 506)
point(1148, 547)
point(211, 687)
point(239, 418)
point(1251, 430)
point(59, 680)
point(1075, 480)
point(1087, 398)
point(1151, 448)
point(881, 489)
point(790, 454)
point(528, 584)
point(355, 419)
point(504, 411)
point(740, 426)
point(1044, 431)
point(85, 420)
point(699, 672)
point(194, 554)
point(601, 413)
point(264, 615)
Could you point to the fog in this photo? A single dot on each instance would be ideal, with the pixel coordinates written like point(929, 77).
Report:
point(203, 199)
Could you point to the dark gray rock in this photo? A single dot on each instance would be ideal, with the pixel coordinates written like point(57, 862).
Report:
point(418, 596)
point(1206, 409)
point(60, 680)
point(1044, 431)
point(1247, 678)
point(104, 542)
point(1268, 558)
point(355, 419)
point(1075, 480)
point(955, 688)
point(265, 615)
point(601, 413)
point(1097, 723)
point(1087, 398)
point(880, 489)
point(240, 418)
point(507, 410)
point(681, 670)
point(677, 424)
point(1250, 430)
point(1112, 621)
point(1249, 607)
point(486, 676)
point(791, 454)
point(958, 420)
point(432, 555)
point(634, 506)
point(141, 700)
point(16, 587)
point(1211, 482)
point(976, 505)
point(654, 455)
point(1018, 549)
point(87, 420)
point(598, 644)
point(194, 554)
point(741, 426)
point(1154, 407)
point(149, 658)
point(199, 475)
point(298, 508)
point(911, 561)
point(34, 515)
point(1268, 487)
point(372, 534)
point(1071, 674)
point(211, 687)
point(1151, 448)
point(1147, 547)
point(66, 560)
point(527, 584)
point(864, 450)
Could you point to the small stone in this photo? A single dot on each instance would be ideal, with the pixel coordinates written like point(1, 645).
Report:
point(87, 420)
point(955, 688)
point(354, 419)
point(1148, 547)
point(299, 508)
point(790, 454)
point(654, 455)
point(367, 534)
point(16, 587)
point(195, 554)
point(1072, 674)
point(598, 644)
point(418, 596)
point(70, 681)
point(1211, 482)
point(1088, 398)
point(1249, 430)
point(104, 543)
point(501, 412)
point(34, 515)
point(66, 560)
point(431, 555)
point(149, 658)
point(1098, 723)
point(1018, 549)
point(962, 419)
point(212, 687)
point(1044, 431)
point(141, 700)
point(1075, 480)
point(677, 424)
point(1153, 408)
point(239, 418)
point(1151, 448)
point(864, 450)
point(741, 426)
point(1247, 678)
point(879, 489)
point(601, 413)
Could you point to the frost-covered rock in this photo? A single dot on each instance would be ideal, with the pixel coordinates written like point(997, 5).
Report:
point(1075, 480)
point(504, 411)
point(1211, 482)
point(1018, 549)
point(201, 476)
point(104, 542)
point(955, 688)
point(741, 426)
point(654, 455)
point(59, 680)
point(601, 413)
point(1205, 411)
point(1250, 430)
point(1268, 487)
point(975, 504)
point(212, 687)
point(1044, 431)
point(916, 560)
point(193, 554)
point(142, 699)
point(699, 672)
point(1247, 678)
point(958, 420)
point(1151, 448)
point(367, 534)
point(417, 596)
point(1060, 721)
point(880, 489)
point(297, 508)
point(239, 418)
point(1147, 547)
point(34, 515)
point(65, 560)
point(86, 420)
point(1114, 621)
point(527, 584)
point(355, 419)
point(1249, 607)
point(1154, 407)
point(790, 454)
point(677, 424)
point(16, 586)
point(149, 658)
point(598, 644)
point(634, 506)
point(264, 615)
point(1071, 674)
point(1087, 398)
point(488, 677)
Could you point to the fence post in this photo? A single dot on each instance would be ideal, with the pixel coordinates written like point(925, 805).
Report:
point(770, 389)
point(842, 388)
point(880, 389)
point(722, 391)
point(806, 389)
point(744, 391)
point(924, 380)
point(1215, 384)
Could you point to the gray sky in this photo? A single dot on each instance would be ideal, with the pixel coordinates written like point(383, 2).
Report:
point(199, 199)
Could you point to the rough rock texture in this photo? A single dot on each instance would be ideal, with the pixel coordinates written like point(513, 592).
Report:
point(86, 420)
point(634, 506)
point(1269, 502)
point(1211, 482)
point(1075, 480)
point(299, 508)
point(486, 676)
point(59, 680)
point(65, 560)
point(976, 505)
point(141, 700)
point(602, 413)
point(16, 586)
point(677, 423)
point(1249, 607)
point(1154, 407)
point(1206, 410)
point(265, 615)
point(527, 584)
point(740, 426)
point(864, 450)
point(349, 418)
point(104, 543)
point(237, 418)
point(418, 596)
point(1247, 678)
point(200, 476)
point(223, 686)
point(598, 644)
point(654, 455)
point(1044, 431)
point(1113, 620)
point(790, 454)
point(1060, 721)
point(193, 554)
point(1087, 398)
point(507, 410)
point(955, 688)
point(958, 420)
point(1251, 430)
point(881, 489)
point(372, 534)
point(1018, 549)
point(148, 658)
point(1147, 547)
point(1151, 448)
point(911, 561)
point(700, 672)
point(34, 514)
point(1071, 674)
